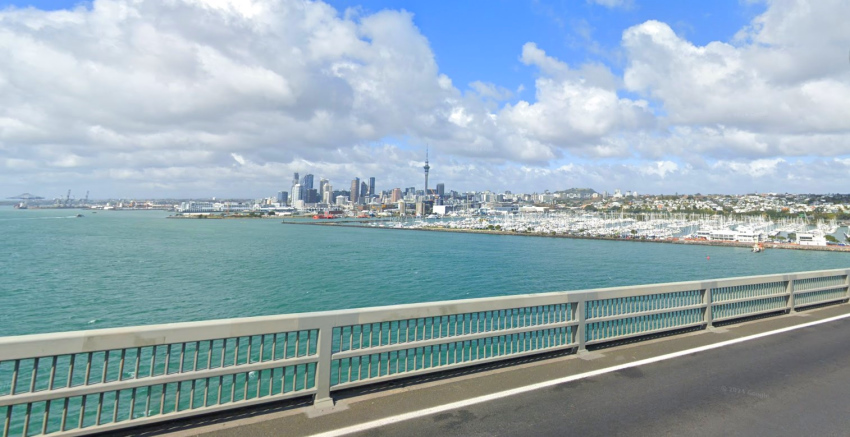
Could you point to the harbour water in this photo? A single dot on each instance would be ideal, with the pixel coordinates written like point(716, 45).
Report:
point(59, 272)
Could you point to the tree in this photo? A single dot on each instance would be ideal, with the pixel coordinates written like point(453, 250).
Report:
point(831, 239)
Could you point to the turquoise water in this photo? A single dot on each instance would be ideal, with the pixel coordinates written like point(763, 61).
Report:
point(123, 268)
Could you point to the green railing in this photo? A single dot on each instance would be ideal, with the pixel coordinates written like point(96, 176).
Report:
point(76, 383)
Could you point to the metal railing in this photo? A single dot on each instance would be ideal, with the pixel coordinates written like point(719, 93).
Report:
point(76, 383)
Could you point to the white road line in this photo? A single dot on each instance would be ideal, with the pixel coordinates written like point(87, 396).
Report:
point(465, 403)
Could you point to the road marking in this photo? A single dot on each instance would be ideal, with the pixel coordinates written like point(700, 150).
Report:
point(503, 394)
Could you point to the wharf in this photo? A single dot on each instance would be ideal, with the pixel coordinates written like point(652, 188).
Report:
point(767, 245)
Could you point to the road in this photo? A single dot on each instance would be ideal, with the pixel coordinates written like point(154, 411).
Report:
point(794, 383)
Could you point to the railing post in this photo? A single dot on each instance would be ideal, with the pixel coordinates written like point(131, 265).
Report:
point(706, 299)
point(581, 312)
point(323, 368)
point(790, 290)
point(847, 286)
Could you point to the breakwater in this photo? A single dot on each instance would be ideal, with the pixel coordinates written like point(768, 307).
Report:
point(767, 245)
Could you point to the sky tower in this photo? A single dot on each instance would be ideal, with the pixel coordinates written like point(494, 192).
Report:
point(426, 167)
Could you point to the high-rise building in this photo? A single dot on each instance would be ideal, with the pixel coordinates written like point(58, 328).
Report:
point(327, 195)
point(363, 189)
point(355, 190)
point(372, 186)
point(295, 181)
point(306, 185)
point(396, 195)
point(441, 189)
point(282, 197)
point(307, 181)
point(297, 193)
point(323, 184)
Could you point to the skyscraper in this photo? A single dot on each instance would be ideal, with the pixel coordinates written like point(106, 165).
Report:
point(297, 193)
point(372, 186)
point(311, 196)
point(426, 167)
point(355, 191)
point(363, 189)
point(327, 195)
point(323, 186)
point(292, 191)
point(306, 186)
point(441, 189)
point(396, 195)
point(307, 181)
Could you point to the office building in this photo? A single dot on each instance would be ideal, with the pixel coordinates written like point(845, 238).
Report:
point(297, 193)
point(327, 194)
point(306, 185)
point(323, 186)
point(355, 191)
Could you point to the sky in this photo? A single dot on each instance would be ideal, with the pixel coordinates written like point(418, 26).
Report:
point(228, 98)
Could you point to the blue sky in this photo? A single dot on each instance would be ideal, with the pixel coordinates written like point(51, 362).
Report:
point(482, 40)
point(230, 97)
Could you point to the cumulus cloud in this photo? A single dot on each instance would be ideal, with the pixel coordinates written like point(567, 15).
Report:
point(782, 87)
point(196, 97)
point(575, 108)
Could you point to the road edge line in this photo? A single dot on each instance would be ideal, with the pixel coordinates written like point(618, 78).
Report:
point(540, 385)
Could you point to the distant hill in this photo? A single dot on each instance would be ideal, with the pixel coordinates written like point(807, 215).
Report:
point(27, 196)
point(585, 191)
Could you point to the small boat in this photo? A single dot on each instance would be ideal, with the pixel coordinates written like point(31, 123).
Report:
point(758, 248)
point(79, 215)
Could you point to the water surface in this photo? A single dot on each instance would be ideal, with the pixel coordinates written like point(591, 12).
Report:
point(124, 268)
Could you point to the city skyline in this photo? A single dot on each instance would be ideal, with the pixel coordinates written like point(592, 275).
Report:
point(724, 97)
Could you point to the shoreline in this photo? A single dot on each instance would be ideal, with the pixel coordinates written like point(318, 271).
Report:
point(767, 245)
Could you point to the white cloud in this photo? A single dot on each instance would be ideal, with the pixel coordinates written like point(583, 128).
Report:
point(659, 168)
point(229, 97)
point(492, 91)
point(774, 91)
point(575, 108)
point(238, 158)
point(613, 4)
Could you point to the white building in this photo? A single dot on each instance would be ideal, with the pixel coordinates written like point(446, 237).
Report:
point(814, 238)
point(443, 209)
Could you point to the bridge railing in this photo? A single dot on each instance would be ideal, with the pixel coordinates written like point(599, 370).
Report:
point(76, 383)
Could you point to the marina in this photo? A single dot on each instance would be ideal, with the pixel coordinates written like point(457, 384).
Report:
point(740, 231)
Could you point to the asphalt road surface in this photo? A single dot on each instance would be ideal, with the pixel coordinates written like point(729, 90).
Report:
point(791, 384)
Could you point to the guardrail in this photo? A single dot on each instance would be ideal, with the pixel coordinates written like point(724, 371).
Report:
point(75, 383)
